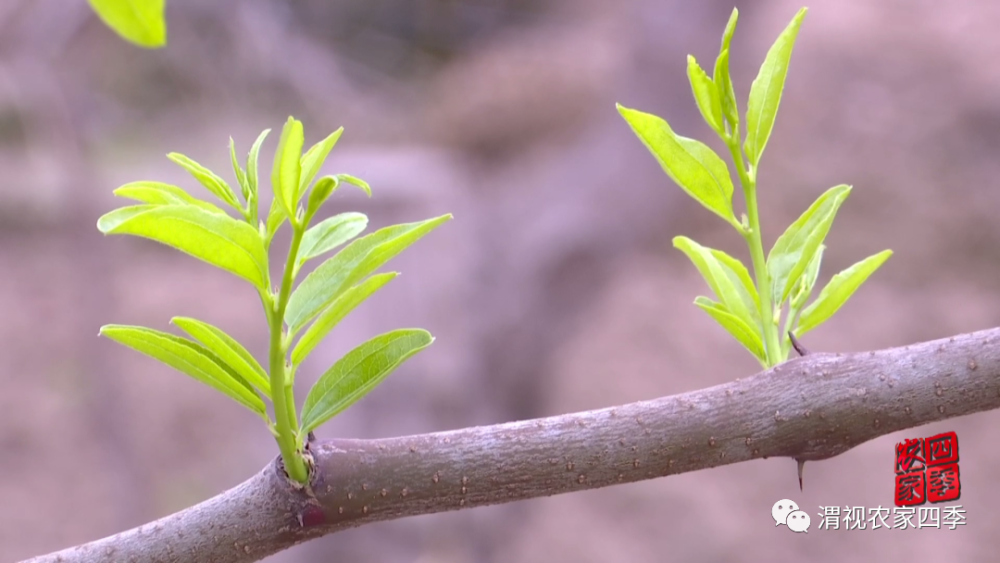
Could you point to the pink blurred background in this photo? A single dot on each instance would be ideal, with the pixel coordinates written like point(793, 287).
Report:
point(555, 288)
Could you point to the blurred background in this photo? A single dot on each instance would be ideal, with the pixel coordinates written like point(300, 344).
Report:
point(555, 289)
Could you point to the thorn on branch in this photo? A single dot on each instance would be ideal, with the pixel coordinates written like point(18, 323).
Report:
point(802, 464)
point(311, 515)
point(797, 345)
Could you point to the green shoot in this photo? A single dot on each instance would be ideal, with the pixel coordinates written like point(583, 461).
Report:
point(751, 310)
point(241, 246)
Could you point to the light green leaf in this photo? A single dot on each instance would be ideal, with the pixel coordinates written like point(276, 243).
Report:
point(706, 95)
point(796, 247)
point(217, 239)
point(112, 219)
point(727, 277)
point(159, 193)
point(275, 217)
point(358, 182)
point(138, 21)
point(358, 372)
point(721, 77)
point(189, 358)
point(691, 164)
point(358, 259)
point(734, 325)
point(288, 167)
point(252, 162)
point(727, 35)
point(228, 350)
point(806, 283)
point(209, 179)
point(838, 291)
point(740, 277)
point(727, 95)
point(313, 160)
point(765, 92)
point(331, 233)
point(241, 176)
point(336, 312)
point(320, 192)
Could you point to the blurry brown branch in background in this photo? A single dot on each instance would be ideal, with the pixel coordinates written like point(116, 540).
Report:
point(809, 408)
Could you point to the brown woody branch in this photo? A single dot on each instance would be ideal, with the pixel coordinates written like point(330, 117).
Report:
point(808, 408)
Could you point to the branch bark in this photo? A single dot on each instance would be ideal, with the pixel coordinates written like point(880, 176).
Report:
point(808, 408)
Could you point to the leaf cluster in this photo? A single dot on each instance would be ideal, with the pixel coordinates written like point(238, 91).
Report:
point(299, 315)
point(751, 311)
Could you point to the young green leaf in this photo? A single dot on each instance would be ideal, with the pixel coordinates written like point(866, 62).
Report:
point(313, 160)
point(727, 35)
point(207, 178)
point(741, 331)
point(721, 76)
point(112, 219)
point(727, 277)
point(159, 193)
point(326, 185)
point(706, 95)
point(320, 192)
point(275, 217)
point(217, 239)
point(798, 297)
point(138, 21)
point(838, 291)
point(330, 233)
point(806, 283)
point(727, 95)
point(252, 159)
point(228, 350)
point(358, 259)
point(765, 92)
point(358, 182)
point(358, 372)
point(336, 312)
point(189, 358)
point(796, 247)
point(288, 167)
point(740, 277)
point(691, 164)
point(241, 176)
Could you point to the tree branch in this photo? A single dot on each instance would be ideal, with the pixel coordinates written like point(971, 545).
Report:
point(808, 408)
